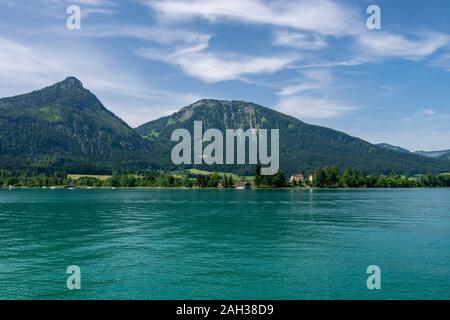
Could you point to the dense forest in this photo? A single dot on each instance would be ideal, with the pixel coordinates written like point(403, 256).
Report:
point(328, 177)
point(303, 147)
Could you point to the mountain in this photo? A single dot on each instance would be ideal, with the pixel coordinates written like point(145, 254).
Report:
point(442, 154)
point(303, 147)
point(66, 126)
point(393, 148)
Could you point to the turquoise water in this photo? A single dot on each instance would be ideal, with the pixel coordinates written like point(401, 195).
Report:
point(225, 244)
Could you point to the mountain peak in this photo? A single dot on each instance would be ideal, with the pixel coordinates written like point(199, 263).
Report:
point(72, 82)
point(65, 126)
point(219, 103)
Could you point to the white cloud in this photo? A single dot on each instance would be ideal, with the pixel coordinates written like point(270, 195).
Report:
point(321, 16)
point(298, 88)
point(56, 8)
point(311, 20)
point(187, 49)
point(426, 112)
point(387, 90)
point(212, 67)
point(386, 45)
point(299, 40)
point(442, 62)
point(330, 64)
point(312, 108)
point(317, 79)
point(309, 105)
point(161, 35)
point(322, 76)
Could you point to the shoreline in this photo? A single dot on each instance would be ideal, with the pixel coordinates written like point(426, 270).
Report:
point(221, 189)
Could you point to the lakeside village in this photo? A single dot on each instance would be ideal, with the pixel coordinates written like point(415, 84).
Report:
point(329, 177)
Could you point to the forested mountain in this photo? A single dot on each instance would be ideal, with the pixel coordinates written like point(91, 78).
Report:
point(66, 126)
point(442, 154)
point(393, 148)
point(303, 147)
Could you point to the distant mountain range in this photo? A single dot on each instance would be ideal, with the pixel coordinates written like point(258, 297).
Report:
point(65, 127)
point(393, 148)
point(442, 154)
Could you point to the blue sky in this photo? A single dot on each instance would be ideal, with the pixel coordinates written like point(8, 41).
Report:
point(315, 60)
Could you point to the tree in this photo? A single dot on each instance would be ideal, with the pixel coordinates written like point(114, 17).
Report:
point(332, 176)
point(258, 175)
point(279, 180)
point(320, 179)
point(213, 181)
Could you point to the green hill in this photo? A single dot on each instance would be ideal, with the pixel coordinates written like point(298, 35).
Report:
point(66, 126)
point(303, 147)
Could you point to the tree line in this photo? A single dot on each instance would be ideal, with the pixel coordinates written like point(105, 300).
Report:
point(328, 177)
point(124, 180)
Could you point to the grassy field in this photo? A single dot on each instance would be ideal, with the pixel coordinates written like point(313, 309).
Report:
point(78, 176)
point(192, 171)
point(206, 173)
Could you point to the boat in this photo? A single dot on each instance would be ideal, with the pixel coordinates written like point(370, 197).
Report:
point(244, 185)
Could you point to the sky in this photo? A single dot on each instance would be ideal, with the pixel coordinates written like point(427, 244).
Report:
point(315, 60)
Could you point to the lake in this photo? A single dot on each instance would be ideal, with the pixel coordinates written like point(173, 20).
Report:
point(225, 244)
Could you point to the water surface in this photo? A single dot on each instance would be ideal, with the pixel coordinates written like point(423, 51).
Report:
point(225, 244)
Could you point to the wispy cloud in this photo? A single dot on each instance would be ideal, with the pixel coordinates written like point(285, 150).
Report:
point(330, 64)
point(322, 16)
point(388, 45)
point(426, 112)
point(299, 40)
point(293, 89)
point(56, 8)
point(158, 34)
point(306, 100)
point(312, 80)
point(442, 62)
point(313, 108)
point(212, 67)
